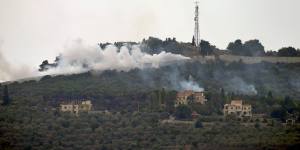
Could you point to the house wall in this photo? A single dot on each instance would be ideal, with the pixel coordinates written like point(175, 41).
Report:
point(239, 110)
point(76, 108)
point(182, 98)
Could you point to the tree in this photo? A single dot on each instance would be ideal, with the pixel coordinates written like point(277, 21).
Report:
point(170, 97)
point(6, 99)
point(198, 124)
point(206, 48)
point(270, 95)
point(183, 112)
point(154, 43)
point(163, 96)
point(270, 98)
point(257, 125)
point(289, 104)
point(249, 48)
point(236, 47)
point(288, 52)
point(223, 94)
point(193, 41)
point(254, 48)
point(279, 113)
point(43, 66)
point(271, 53)
point(46, 65)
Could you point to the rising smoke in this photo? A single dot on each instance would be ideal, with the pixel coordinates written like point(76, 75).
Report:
point(4, 68)
point(239, 86)
point(190, 84)
point(79, 58)
point(10, 71)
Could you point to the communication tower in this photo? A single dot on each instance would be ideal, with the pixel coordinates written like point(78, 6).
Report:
point(197, 32)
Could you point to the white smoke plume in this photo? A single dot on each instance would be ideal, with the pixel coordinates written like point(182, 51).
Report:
point(190, 84)
point(81, 58)
point(239, 86)
point(9, 71)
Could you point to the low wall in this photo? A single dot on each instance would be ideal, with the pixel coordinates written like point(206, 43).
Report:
point(249, 60)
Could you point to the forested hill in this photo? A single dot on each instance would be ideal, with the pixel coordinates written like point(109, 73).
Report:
point(30, 118)
point(236, 78)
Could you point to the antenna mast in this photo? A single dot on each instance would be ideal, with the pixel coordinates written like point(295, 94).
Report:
point(196, 19)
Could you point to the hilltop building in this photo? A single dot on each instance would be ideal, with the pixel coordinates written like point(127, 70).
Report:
point(236, 107)
point(76, 106)
point(189, 97)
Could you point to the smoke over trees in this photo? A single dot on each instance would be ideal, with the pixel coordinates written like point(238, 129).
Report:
point(152, 52)
point(234, 77)
point(81, 58)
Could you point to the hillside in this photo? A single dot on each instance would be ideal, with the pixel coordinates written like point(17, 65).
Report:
point(140, 105)
point(30, 120)
point(115, 89)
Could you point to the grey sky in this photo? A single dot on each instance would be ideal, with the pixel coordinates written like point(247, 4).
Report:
point(34, 30)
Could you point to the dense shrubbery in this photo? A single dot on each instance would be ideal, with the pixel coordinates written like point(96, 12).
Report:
point(183, 112)
point(249, 48)
point(25, 126)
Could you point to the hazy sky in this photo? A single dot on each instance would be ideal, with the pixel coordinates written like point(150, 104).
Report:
point(34, 30)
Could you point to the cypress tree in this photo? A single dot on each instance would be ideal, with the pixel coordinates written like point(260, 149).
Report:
point(6, 99)
point(193, 41)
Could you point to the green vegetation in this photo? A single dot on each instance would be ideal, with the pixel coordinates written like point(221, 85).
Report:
point(183, 112)
point(198, 124)
point(154, 45)
point(141, 100)
point(6, 99)
point(249, 48)
point(289, 52)
point(29, 125)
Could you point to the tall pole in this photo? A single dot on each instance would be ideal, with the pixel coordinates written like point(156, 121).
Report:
point(197, 32)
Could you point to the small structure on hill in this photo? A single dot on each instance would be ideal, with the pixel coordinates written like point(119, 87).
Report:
point(291, 119)
point(76, 106)
point(290, 122)
point(236, 107)
point(190, 97)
